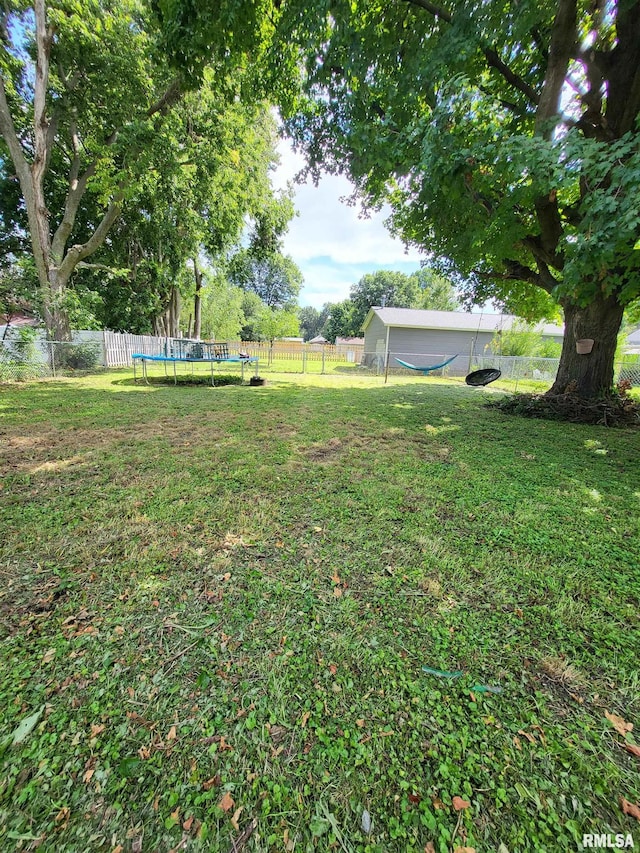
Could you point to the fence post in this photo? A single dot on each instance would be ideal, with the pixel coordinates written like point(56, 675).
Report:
point(322, 371)
point(304, 358)
point(53, 358)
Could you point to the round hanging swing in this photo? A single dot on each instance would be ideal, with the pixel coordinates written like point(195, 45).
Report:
point(483, 377)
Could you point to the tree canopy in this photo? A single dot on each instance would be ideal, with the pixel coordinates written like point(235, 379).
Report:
point(505, 139)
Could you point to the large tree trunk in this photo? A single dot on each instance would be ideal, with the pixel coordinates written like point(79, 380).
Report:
point(197, 301)
point(589, 375)
point(56, 319)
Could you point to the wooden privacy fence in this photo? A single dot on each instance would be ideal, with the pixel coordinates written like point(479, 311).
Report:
point(293, 356)
point(118, 348)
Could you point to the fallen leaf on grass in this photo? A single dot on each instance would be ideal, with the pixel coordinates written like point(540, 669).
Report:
point(620, 725)
point(528, 735)
point(459, 804)
point(211, 783)
point(226, 803)
point(630, 808)
point(96, 730)
point(48, 656)
point(335, 577)
point(88, 775)
point(540, 731)
point(188, 824)
point(305, 718)
point(464, 850)
point(234, 819)
point(633, 748)
point(429, 847)
point(27, 726)
point(172, 733)
point(337, 592)
point(63, 816)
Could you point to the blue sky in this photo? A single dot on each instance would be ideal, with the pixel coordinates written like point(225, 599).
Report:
point(330, 241)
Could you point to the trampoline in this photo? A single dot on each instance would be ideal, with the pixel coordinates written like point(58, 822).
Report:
point(483, 377)
point(200, 354)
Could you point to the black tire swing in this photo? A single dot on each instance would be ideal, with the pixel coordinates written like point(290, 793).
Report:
point(479, 378)
point(483, 377)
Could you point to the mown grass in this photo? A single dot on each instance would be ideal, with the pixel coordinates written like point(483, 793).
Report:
point(221, 601)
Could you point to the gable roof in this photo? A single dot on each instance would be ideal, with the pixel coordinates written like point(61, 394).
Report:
point(460, 321)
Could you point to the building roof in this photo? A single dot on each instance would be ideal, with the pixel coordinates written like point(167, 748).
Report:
point(460, 321)
point(17, 320)
point(318, 340)
point(632, 343)
point(343, 342)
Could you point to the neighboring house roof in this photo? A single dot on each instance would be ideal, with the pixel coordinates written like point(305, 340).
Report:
point(460, 321)
point(632, 344)
point(18, 320)
point(343, 342)
point(318, 340)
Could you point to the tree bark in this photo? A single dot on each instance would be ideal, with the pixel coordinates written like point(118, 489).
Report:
point(589, 376)
point(197, 301)
point(174, 313)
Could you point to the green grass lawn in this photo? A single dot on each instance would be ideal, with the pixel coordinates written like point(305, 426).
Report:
point(217, 604)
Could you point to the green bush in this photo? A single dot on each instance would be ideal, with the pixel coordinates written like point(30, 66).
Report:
point(77, 356)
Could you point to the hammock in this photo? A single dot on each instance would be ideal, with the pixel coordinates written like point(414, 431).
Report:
point(426, 370)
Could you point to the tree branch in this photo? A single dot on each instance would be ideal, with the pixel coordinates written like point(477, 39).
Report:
point(561, 50)
point(8, 130)
point(79, 252)
point(23, 171)
point(514, 271)
point(44, 36)
point(77, 189)
point(491, 55)
point(168, 99)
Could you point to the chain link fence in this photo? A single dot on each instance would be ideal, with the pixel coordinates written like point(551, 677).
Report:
point(24, 356)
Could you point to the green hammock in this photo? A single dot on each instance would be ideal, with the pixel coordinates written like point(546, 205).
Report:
point(426, 370)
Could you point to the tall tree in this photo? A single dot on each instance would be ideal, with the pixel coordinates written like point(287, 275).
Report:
point(222, 313)
point(436, 292)
point(382, 288)
point(211, 164)
point(64, 106)
point(340, 322)
point(504, 136)
point(274, 277)
point(312, 320)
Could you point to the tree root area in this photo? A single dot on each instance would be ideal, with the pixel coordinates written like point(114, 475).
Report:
point(614, 410)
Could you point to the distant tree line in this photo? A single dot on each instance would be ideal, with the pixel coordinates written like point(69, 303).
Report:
point(422, 289)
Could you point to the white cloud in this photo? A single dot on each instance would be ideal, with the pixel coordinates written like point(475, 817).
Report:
point(330, 241)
